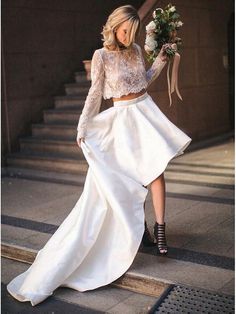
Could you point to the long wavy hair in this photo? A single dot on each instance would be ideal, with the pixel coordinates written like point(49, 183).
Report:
point(115, 19)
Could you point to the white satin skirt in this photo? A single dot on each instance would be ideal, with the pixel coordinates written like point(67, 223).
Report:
point(127, 146)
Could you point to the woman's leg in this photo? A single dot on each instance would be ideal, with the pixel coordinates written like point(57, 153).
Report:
point(158, 198)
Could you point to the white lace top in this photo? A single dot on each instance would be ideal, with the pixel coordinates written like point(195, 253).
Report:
point(113, 74)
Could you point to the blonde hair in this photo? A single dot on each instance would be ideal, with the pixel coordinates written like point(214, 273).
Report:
point(115, 19)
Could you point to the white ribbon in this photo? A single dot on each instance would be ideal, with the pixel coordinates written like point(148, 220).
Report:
point(173, 85)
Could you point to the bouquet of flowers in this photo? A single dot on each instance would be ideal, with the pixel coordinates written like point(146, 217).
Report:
point(162, 30)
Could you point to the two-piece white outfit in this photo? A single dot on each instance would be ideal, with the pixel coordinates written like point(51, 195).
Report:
point(126, 146)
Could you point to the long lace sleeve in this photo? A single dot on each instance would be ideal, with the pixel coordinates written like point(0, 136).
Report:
point(154, 71)
point(94, 97)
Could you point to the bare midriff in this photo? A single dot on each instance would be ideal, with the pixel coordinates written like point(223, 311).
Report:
point(130, 96)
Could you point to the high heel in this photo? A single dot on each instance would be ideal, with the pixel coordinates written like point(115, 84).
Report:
point(159, 233)
point(147, 239)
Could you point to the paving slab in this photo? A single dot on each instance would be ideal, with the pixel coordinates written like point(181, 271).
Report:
point(199, 222)
point(199, 178)
point(200, 190)
point(181, 272)
point(105, 299)
point(217, 155)
point(24, 237)
point(38, 200)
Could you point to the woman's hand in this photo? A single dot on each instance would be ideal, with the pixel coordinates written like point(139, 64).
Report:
point(79, 140)
point(162, 54)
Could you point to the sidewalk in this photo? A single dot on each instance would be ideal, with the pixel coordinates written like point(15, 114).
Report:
point(200, 230)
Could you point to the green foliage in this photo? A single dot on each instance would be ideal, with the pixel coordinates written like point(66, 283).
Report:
point(167, 22)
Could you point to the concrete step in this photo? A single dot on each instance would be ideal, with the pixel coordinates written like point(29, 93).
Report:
point(201, 169)
point(69, 101)
point(53, 131)
point(149, 274)
point(133, 282)
point(173, 185)
point(46, 176)
point(197, 255)
point(109, 299)
point(48, 163)
point(58, 116)
point(76, 89)
point(200, 178)
point(55, 146)
point(81, 77)
point(64, 145)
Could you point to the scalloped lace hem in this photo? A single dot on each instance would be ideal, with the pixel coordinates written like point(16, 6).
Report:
point(124, 93)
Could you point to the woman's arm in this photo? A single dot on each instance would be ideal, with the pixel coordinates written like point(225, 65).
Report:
point(154, 71)
point(94, 97)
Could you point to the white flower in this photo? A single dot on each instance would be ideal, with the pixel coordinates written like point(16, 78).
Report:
point(160, 9)
point(172, 9)
point(150, 42)
point(179, 24)
point(154, 14)
point(151, 27)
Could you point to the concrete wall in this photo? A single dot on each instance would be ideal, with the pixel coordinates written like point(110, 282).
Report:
point(203, 79)
point(43, 44)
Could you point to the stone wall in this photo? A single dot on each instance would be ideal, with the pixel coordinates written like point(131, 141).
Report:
point(203, 78)
point(43, 44)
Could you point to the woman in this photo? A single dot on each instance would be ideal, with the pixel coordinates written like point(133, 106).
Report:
point(127, 147)
point(126, 83)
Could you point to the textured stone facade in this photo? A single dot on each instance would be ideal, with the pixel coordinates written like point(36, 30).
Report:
point(204, 78)
point(44, 43)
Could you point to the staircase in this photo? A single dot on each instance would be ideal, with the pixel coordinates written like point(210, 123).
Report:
point(52, 153)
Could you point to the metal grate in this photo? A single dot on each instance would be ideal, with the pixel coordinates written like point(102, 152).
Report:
point(180, 299)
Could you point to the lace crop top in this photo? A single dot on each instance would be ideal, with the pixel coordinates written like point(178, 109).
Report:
point(113, 74)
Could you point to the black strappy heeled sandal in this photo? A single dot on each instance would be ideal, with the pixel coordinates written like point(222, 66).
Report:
point(147, 239)
point(159, 233)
